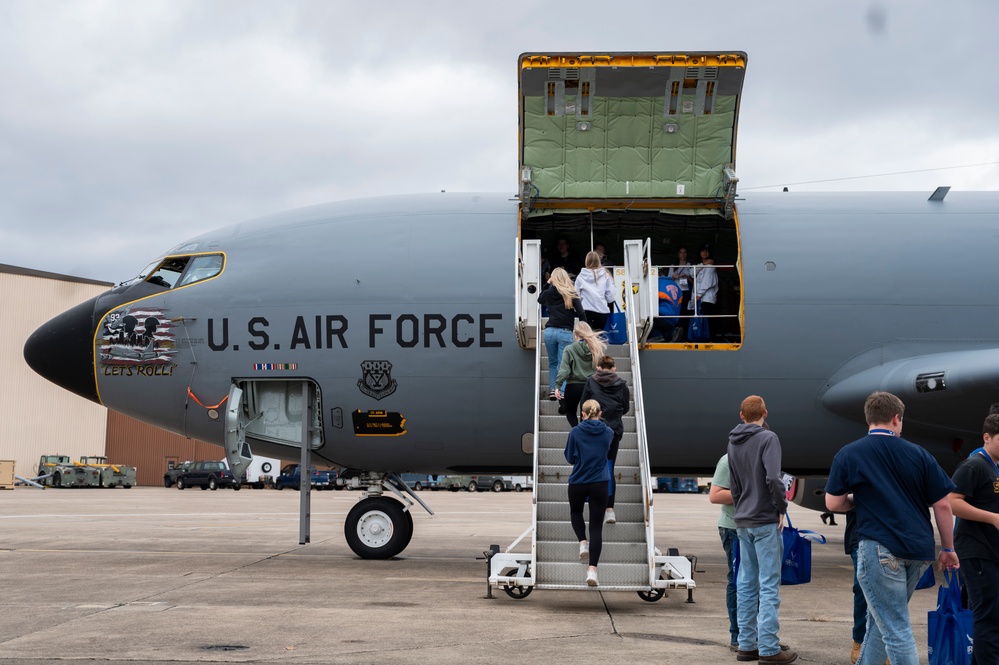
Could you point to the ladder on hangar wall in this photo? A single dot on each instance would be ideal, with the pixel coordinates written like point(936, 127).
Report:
point(630, 561)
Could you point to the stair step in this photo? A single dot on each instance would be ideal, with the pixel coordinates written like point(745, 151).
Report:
point(553, 440)
point(611, 574)
point(559, 473)
point(550, 407)
point(623, 493)
point(558, 423)
point(562, 552)
point(555, 456)
point(627, 513)
point(560, 530)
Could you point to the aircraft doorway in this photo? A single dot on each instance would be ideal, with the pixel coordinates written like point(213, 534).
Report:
point(696, 246)
point(266, 417)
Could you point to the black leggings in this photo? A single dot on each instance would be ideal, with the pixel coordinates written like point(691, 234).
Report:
point(570, 400)
point(597, 320)
point(597, 495)
point(612, 456)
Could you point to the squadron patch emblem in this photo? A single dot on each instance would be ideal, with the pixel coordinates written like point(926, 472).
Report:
point(376, 379)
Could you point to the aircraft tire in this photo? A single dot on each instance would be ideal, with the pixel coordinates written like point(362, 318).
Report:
point(378, 528)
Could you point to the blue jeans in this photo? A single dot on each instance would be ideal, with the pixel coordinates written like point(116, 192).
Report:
point(761, 551)
point(859, 604)
point(556, 339)
point(730, 541)
point(888, 583)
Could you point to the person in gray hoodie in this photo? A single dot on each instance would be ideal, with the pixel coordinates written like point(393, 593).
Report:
point(760, 501)
point(610, 390)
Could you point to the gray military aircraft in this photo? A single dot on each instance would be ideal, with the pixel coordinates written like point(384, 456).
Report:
point(400, 329)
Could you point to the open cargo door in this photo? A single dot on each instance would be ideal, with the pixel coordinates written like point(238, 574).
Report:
point(656, 129)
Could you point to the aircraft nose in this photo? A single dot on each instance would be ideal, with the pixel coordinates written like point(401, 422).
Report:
point(62, 351)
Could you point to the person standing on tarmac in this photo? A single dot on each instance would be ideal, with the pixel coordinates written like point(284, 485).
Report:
point(611, 391)
point(891, 482)
point(975, 502)
point(721, 494)
point(759, 497)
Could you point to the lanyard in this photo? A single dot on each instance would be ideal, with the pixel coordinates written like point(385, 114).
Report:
point(882, 432)
point(994, 466)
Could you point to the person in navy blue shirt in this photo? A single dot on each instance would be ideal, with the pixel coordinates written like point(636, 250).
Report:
point(586, 449)
point(892, 483)
point(976, 503)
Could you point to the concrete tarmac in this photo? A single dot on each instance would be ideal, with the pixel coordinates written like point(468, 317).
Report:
point(155, 575)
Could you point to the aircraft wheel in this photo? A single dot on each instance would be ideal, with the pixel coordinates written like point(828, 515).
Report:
point(378, 528)
point(212, 484)
point(651, 596)
point(180, 484)
point(498, 486)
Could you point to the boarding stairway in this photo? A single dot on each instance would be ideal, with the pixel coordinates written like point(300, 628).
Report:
point(629, 560)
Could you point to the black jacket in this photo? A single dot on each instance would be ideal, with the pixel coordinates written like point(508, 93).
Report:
point(612, 393)
point(558, 315)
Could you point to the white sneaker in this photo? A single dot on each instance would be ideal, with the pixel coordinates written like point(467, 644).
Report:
point(610, 517)
point(584, 550)
point(591, 577)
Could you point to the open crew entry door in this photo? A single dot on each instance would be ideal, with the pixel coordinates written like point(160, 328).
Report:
point(270, 411)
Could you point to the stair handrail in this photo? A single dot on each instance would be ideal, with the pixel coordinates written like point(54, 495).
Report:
point(537, 442)
point(644, 467)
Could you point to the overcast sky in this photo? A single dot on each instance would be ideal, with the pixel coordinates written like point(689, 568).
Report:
point(127, 127)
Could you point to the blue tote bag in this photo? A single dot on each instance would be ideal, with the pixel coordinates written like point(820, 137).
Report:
point(796, 567)
point(950, 627)
point(616, 326)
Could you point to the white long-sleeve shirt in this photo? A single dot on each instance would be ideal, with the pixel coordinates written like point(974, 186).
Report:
point(595, 291)
point(705, 284)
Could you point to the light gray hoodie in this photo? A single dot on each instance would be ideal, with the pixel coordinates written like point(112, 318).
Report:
point(754, 458)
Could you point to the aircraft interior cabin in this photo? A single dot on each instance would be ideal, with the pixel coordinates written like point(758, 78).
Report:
point(667, 233)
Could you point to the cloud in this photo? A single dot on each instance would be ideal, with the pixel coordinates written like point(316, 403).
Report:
point(127, 127)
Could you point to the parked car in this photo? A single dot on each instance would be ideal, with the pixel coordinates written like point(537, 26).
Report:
point(455, 483)
point(677, 485)
point(494, 483)
point(419, 481)
point(520, 483)
point(208, 475)
point(478, 483)
point(173, 472)
point(321, 479)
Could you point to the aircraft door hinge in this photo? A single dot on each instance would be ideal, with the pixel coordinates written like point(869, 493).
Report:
point(729, 182)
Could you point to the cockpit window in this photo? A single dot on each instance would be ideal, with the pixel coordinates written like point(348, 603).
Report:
point(183, 270)
point(201, 267)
